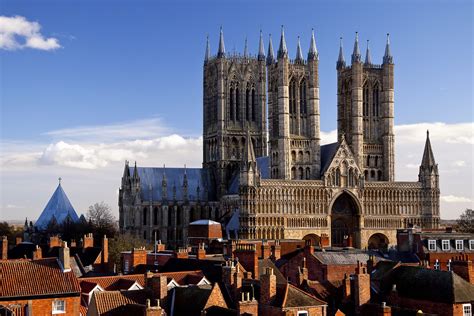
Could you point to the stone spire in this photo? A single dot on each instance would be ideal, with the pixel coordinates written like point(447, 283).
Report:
point(207, 56)
point(368, 60)
point(428, 157)
point(313, 51)
point(282, 51)
point(356, 57)
point(249, 154)
point(299, 53)
point(221, 51)
point(270, 55)
point(135, 171)
point(387, 57)
point(261, 48)
point(341, 62)
point(246, 49)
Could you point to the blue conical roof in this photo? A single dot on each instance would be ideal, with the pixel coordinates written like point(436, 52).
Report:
point(59, 208)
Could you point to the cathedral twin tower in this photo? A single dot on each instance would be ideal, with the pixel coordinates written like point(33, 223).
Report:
point(237, 89)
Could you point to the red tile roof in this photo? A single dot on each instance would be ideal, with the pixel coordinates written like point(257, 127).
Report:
point(19, 278)
point(112, 300)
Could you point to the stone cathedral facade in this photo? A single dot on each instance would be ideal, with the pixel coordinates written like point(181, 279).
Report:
point(264, 166)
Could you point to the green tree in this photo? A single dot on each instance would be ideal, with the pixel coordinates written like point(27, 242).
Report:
point(466, 221)
point(124, 242)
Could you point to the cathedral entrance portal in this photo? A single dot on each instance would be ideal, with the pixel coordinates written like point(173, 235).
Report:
point(344, 222)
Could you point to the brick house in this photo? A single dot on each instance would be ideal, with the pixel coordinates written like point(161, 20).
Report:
point(39, 287)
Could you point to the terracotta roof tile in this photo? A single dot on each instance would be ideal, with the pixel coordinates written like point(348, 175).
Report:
point(20, 278)
point(106, 302)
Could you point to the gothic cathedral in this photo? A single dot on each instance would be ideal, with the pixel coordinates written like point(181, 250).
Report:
point(265, 169)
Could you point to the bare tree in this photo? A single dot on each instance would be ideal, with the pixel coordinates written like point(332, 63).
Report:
point(466, 221)
point(102, 220)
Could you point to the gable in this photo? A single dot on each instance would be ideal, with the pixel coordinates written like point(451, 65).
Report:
point(342, 169)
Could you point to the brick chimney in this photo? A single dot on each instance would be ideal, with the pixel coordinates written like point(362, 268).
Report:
point(462, 266)
point(88, 241)
point(64, 257)
point(182, 253)
point(157, 284)
point(228, 270)
point(266, 250)
point(361, 285)
point(201, 252)
point(346, 286)
point(247, 305)
point(153, 310)
point(276, 251)
point(302, 273)
point(138, 257)
point(248, 258)
point(37, 253)
point(4, 248)
point(105, 250)
point(308, 248)
point(324, 240)
point(54, 241)
point(267, 286)
point(384, 310)
point(73, 243)
point(18, 240)
point(160, 246)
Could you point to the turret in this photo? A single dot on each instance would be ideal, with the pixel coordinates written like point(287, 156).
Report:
point(428, 174)
point(185, 185)
point(368, 59)
point(357, 140)
point(299, 53)
point(356, 57)
point(341, 62)
point(313, 51)
point(126, 184)
point(135, 178)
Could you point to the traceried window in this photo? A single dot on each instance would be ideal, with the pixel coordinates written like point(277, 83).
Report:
point(59, 307)
point(365, 98)
point(431, 245)
point(459, 244)
point(254, 105)
point(247, 104)
point(303, 105)
point(445, 245)
point(375, 100)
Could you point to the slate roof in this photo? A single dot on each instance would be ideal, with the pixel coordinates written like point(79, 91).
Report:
point(430, 285)
point(327, 153)
point(174, 177)
point(16, 278)
point(58, 207)
point(290, 296)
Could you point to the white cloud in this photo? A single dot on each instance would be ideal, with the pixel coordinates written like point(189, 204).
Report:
point(18, 33)
point(459, 163)
point(455, 199)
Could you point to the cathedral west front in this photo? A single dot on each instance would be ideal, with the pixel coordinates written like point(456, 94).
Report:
point(265, 174)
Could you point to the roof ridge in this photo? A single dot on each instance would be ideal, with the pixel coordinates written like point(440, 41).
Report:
point(306, 293)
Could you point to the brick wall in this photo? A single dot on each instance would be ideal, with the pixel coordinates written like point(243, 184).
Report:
point(44, 307)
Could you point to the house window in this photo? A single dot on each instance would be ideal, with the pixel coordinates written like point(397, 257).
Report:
point(445, 245)
point(126, 266)
point(302, 313)
point(432, 245)
point(59, 307)
point(459, 244)
point(471, 244)
point(467, 310)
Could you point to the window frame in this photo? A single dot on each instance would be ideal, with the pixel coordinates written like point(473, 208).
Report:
point(305, 313)
point(459, 242)
point(431, 242)
point(56, 310)
point(443, 242)
point(464, 309)
point(471, 244)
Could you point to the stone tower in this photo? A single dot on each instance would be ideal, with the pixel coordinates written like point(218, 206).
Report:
point(365, 111)
point(293, 113)
point(234, 103)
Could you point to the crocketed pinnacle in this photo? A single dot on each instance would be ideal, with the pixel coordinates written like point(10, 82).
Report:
point(221, 51)
point(356, 57)
point(261, 48)
point(368, 59)
point(313, 51)
point(270, 55)
point(246, 49)
point(340, 60)
point(299, 53)
point(207, 56)
point(282, 50)
point(387, 57)
point(428, 157)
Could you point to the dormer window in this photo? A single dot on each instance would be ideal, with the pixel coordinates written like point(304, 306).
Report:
point(59, 307)
point(459, 244)
point(432, 245)
point(445, 245)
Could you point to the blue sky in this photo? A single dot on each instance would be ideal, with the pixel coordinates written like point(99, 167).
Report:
point(123, 62)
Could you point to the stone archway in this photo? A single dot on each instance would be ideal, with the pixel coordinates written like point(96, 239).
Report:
point(378, 241)
point(314, 239)
point(345, 222)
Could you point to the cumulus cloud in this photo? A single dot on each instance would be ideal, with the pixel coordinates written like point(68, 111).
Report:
point(17, 33)
point(455, 199)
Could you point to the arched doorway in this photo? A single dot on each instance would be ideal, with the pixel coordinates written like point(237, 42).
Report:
point(378, 241)
point(344, 221)
point(313, 239)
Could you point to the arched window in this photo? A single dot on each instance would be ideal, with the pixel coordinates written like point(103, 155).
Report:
point(338, 177)
point(376, 161)
point(365, 99)
point(144, 234)
point(379, 175)
point(375, 100)
point(368, 160)
point(292, 97)
point(145, 213)
point(231, 103)
point(300, 173)
point(293, 173)
point(155, 216)
point(293, 156)
point(308, 173)
point(254, 105)
point(247, 104)
point(237, 104)
point(372, 175)
point(303, 105)
point(179, 214)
